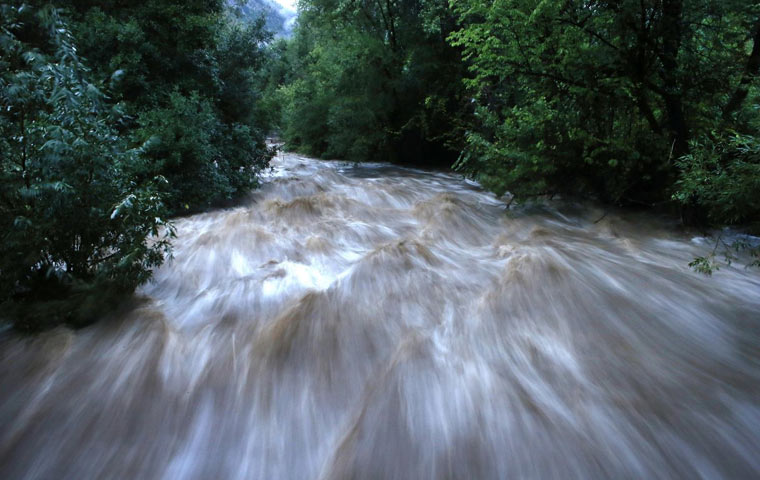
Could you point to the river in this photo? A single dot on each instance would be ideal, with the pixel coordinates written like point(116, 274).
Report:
point(368, 321)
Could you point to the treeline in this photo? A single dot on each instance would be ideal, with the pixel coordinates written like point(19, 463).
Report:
point(372, 80)
point(630, 102)
point(114, 116)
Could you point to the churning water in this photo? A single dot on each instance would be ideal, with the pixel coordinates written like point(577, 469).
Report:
point(372, 322)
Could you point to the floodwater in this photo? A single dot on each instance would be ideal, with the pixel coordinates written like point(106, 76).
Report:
point(372, 322)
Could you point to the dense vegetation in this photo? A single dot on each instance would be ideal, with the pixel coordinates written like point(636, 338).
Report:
point(115, 115)
point(184, 73)
point(374, 80)
point(632, 102)
point(607, 99)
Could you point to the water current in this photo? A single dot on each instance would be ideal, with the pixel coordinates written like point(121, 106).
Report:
point(371, 322)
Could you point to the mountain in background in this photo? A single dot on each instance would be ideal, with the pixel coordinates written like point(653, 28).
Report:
point(279, 18)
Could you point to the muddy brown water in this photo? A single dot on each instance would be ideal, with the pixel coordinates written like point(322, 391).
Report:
point(372, 322)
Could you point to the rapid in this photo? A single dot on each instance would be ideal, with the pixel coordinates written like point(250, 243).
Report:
point(371, 322)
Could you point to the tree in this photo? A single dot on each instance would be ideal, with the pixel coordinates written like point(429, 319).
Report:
point(375, 80)
point(185, 74)
point(78, 223)
point(602, 98)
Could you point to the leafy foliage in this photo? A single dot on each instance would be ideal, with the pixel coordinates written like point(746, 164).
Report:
point(75, 215)
point(374, 81)
point(599, 98)
point(722, 175)
point(162, 118)
point(186, 73)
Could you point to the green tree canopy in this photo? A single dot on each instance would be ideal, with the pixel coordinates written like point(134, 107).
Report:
point(115, 115)
point(75, 213)
point(186, 75)
point(602, 98)
point(375, 80)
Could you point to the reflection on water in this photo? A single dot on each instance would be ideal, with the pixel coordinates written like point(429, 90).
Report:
point(372, 322)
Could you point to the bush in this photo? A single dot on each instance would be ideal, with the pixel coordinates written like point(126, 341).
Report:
point(722, 176)
point(77, 217)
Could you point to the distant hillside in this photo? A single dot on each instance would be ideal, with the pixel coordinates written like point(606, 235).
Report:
point(279, 19)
